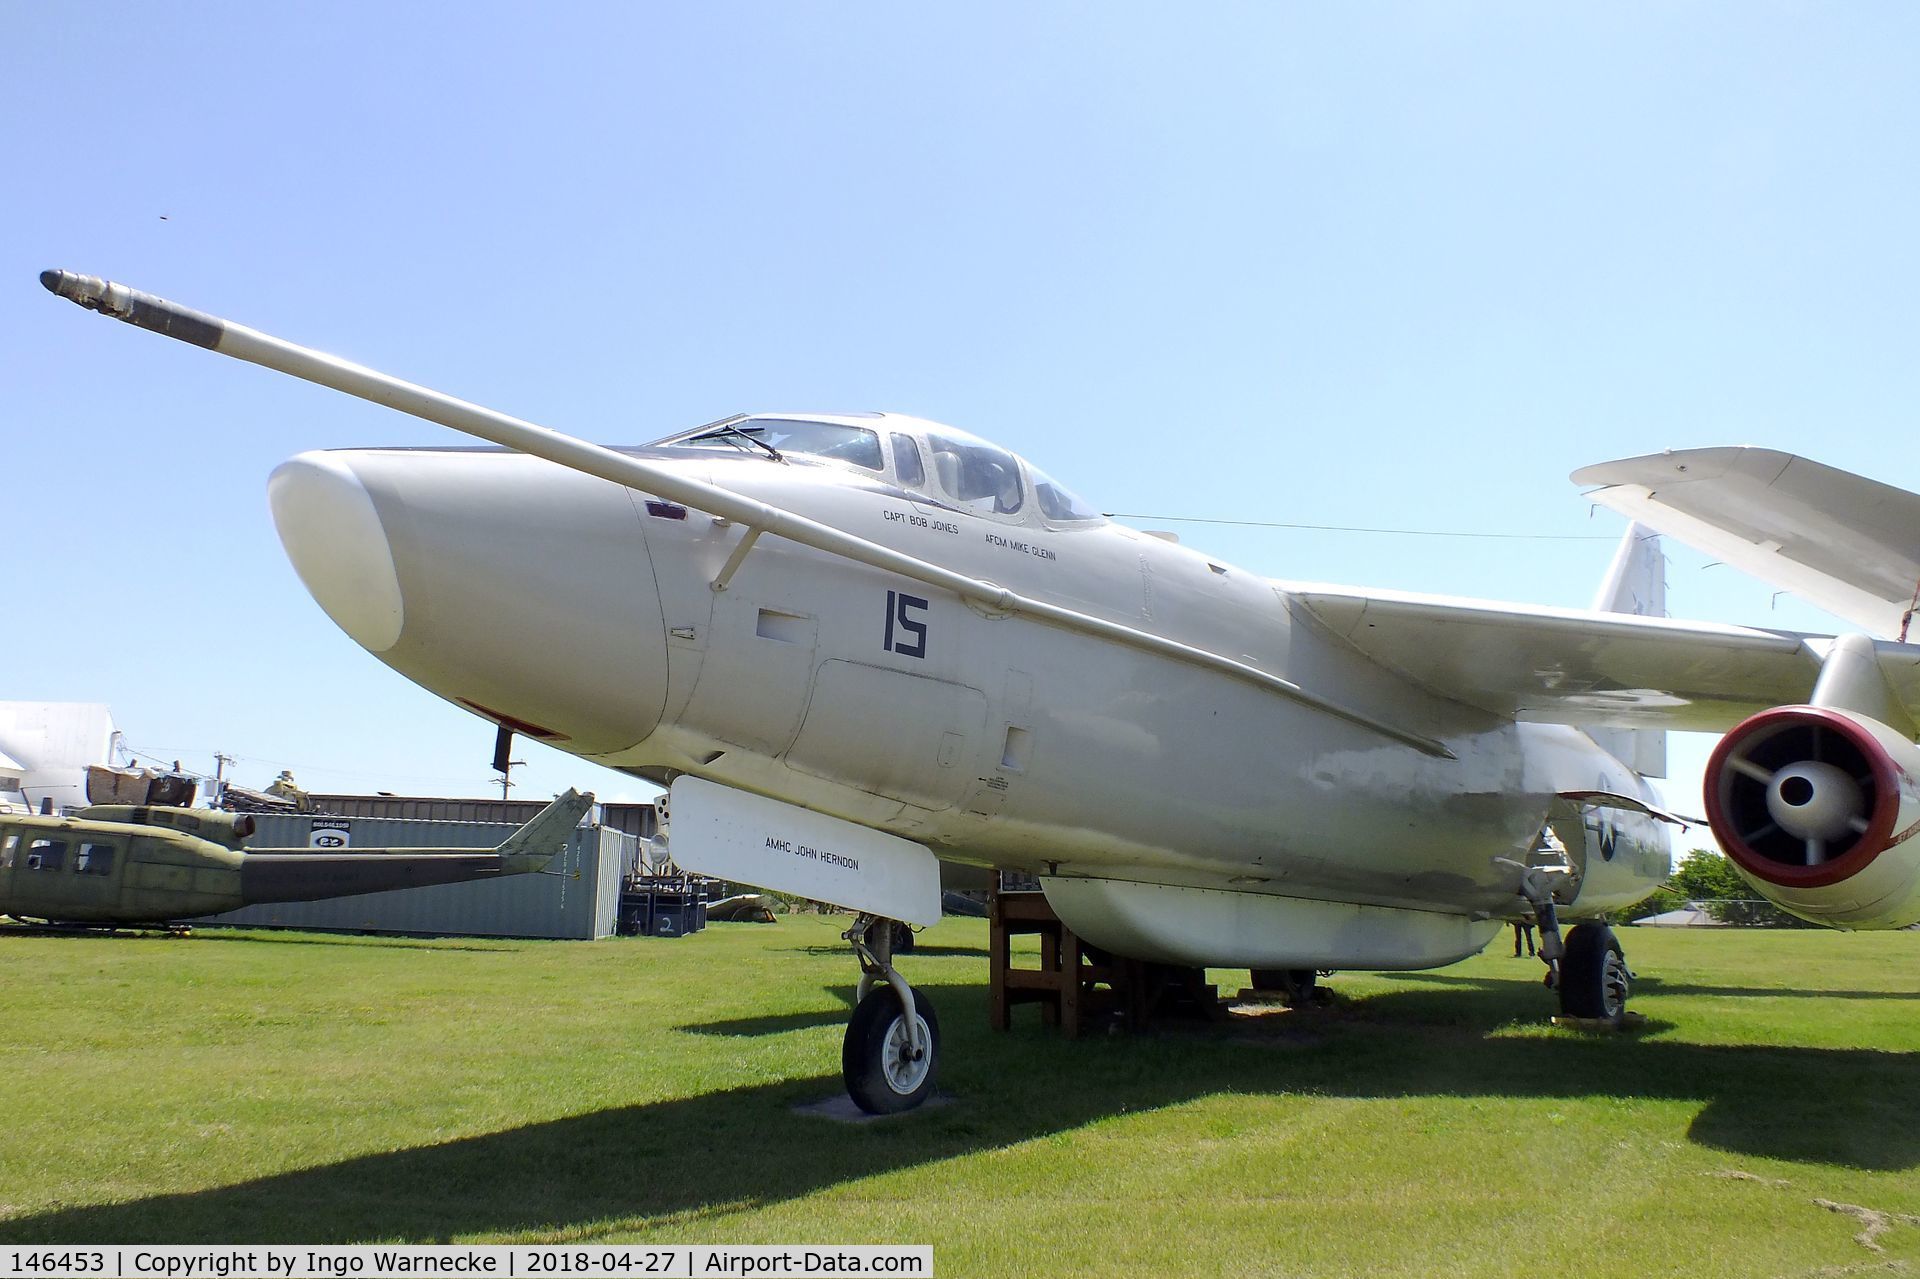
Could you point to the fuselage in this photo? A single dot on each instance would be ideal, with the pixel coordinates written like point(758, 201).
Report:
point(75, 870)
point(587, 615)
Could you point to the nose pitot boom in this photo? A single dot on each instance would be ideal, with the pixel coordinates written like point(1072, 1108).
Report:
point(515, 588)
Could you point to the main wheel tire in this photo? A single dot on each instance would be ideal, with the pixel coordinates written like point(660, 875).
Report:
point(1594, 981)
point(902, 939)
point(880, 1077)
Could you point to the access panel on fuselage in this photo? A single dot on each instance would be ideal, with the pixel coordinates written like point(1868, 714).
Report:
point(921, 756)
point(752, 687)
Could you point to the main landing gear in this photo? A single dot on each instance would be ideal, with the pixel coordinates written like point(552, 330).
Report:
point(893, 1040)
point(1594, 980)
point(1588, 968)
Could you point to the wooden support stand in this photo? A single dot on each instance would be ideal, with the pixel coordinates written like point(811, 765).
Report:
point(1076, 989)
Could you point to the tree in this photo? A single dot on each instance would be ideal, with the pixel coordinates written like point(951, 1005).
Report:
point(1710, 879)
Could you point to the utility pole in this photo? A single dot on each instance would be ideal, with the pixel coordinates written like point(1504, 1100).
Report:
point(506, 782)
point(502, 748)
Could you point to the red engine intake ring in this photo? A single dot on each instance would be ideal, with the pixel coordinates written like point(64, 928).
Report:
point(1879, 834)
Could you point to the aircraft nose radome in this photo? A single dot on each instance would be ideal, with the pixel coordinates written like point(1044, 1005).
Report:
point(333, 535)
point(529, 592)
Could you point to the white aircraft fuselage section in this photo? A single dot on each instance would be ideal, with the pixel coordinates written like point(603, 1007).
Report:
point(853, 643)
point(586, 614)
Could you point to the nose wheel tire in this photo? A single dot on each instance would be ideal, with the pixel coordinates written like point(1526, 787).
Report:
point(882, 1074)
point(1594, 980)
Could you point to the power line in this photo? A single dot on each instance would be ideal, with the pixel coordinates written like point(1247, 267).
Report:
point(1349, 528)
point(179, 753)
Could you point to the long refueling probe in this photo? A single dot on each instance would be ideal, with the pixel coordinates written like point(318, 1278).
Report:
point(158, 315)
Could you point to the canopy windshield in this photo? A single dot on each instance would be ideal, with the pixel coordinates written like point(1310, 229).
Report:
point(833, 441)
point(956, 468)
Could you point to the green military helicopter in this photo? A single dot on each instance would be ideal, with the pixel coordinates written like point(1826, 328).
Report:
point(141, 865)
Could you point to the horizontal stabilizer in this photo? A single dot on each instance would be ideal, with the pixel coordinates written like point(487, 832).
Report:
point(1846, 543)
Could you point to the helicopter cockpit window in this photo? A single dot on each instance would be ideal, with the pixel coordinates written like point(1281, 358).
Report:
point(777, 437)
point(94, 859)
point(8, 843)
point(1057, 503)
point(977, 475)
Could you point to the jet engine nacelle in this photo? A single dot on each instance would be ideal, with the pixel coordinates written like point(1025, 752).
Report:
point(1818, 807)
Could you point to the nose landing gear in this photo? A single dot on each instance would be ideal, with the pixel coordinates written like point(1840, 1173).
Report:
point(892, 1045)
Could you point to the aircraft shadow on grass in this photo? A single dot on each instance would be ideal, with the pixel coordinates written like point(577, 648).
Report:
point(743, 1147)
point(206, 936)
point(780, 1023)
point(1653, 985)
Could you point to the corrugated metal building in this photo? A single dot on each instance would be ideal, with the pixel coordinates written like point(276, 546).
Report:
point(639, 820)
point(635, 819)
point(581, 901)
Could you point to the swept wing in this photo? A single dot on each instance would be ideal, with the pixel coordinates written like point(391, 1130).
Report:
point(1842, 541)
point(1576, 666)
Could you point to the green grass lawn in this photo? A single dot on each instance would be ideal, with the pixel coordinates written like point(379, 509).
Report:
point(254, 1087)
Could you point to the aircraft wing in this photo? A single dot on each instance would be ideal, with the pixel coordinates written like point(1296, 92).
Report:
point(1573, 666)
point(1844, 542)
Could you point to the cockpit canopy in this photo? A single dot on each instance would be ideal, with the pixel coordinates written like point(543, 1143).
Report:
point(943, 464)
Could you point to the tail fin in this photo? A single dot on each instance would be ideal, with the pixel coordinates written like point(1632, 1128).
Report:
point(545, 837)
point(1635, 584)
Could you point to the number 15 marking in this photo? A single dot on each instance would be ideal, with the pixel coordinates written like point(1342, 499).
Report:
point(899, 622)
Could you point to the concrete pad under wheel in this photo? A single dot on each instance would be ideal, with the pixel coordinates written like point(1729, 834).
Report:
point(1628, 1021)
point(841, 1110)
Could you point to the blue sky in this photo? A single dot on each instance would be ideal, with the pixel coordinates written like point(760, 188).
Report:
point(1401, 265)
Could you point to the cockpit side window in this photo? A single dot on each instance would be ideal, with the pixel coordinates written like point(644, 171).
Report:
point(976, 475)
point(1058, 503)
point(9, 844)
point(906, 461)
point(46, 854)
point(94, 859)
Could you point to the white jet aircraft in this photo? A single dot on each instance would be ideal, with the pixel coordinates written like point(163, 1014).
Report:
point(853, 646)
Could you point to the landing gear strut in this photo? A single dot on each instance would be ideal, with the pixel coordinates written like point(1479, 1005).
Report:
point(1536, 885)
point(893, 1040)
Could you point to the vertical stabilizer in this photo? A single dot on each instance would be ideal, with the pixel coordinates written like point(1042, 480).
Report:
point(1636, 583)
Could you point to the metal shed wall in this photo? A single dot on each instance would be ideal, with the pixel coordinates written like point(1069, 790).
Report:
point(635, 818)
point(581, 902)
point(428, 808)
